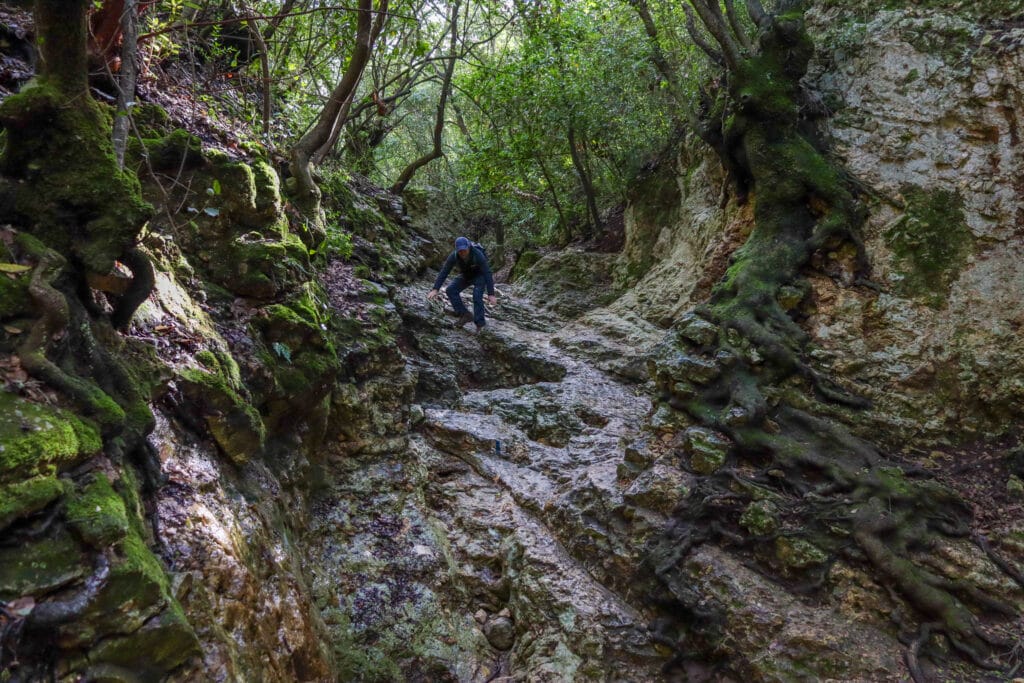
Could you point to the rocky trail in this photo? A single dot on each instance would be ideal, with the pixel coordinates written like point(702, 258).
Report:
point(496, 544)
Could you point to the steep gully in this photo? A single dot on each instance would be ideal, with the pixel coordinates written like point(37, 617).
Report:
point(496, 545)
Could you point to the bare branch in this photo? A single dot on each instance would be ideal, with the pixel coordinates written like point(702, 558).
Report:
point(714, 22)
point(756, 11)
point(737, 26)
point(698, 39)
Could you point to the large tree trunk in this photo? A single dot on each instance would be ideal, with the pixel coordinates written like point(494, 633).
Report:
point(63, 50)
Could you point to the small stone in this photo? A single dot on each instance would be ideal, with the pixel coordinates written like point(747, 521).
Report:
point(707, 448)
point(789, 297)
point(500, 633)
point(416, 414)
point(796, 553)
point(697, 329)
point(760, 518)
point(480, 616)
point(690, 369)
point(683, 390)
point(637, 454)
point(505, 612)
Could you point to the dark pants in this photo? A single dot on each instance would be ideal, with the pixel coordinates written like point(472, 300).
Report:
point(454, 291)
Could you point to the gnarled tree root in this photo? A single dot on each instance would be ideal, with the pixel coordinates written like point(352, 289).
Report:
point(143, 280)
point(52, 327)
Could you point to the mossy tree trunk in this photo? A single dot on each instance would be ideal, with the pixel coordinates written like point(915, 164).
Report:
point(739, 365)
point(76, 213)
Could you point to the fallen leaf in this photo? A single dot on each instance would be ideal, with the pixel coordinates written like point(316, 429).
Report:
point(13, 268)
point(10, 329)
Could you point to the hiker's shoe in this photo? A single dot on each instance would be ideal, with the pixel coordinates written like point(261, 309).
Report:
point(464, 318)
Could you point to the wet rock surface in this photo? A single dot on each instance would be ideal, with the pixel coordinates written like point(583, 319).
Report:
point(505, 540)
point(491, 545)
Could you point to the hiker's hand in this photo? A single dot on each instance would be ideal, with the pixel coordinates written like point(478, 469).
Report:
point(492, 300)
point(431, 295)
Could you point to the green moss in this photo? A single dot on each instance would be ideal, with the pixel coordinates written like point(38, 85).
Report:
point(267, 186)
point(208, 360)
point(298, 352)
point(135, 594)
point(151, 120)
point(24, 498)
point(180, 150)
point(38, 439)
point(930, 244)
point(97, 513)
point(14, 297)
point(261, 268)
point(524, 263)
point(760, 518)
point(69, 188)
point(38, 566)
point(234, 424)
point(162, 644)
point(797, 553)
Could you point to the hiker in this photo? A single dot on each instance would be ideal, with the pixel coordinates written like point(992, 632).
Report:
point(475, 270)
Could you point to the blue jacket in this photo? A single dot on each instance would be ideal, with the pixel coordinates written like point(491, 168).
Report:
point(473, 266)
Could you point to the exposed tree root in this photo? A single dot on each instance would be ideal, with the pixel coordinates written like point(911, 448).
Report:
point(143, 280)
point(759, 387)
point(51, 328)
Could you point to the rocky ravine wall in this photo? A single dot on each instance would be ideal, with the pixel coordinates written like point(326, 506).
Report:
point(927, 118)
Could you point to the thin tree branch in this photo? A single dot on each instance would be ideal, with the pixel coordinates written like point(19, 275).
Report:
point(712, 18)
point(698, 39)
point(435, 152)
point(737, 26)
point(268, 17)
point(756, 11)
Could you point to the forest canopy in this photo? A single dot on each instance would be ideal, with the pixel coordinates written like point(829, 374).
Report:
point(534, 116)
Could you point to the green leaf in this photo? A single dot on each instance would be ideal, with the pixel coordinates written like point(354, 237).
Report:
point(282, 350)
point(216, 186)
point(13, 268)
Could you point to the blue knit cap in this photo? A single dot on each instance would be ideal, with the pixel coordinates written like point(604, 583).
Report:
point(461, 243)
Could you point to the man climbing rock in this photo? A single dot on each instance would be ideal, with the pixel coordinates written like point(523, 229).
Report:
point(474, 270)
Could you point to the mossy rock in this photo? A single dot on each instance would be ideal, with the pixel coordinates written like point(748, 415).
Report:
point(234, 424)
point(761, 518)
point(298, 353)
point(41, 566)
point(37, 439)
point(250, 196)
point(161, 645)
point(261, 268)
point(707, 448)
point(523, 264)
point(797, 553)
point(136, 591)
point(151, 120)
point(96, 513)
point(178, 151)
point(27, 497)
point(69, 189)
